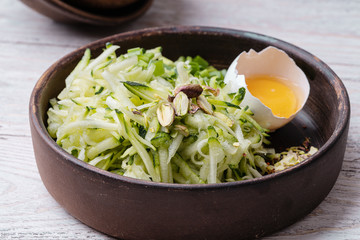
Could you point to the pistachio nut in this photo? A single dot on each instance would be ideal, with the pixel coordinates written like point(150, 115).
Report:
point(213, 91)
point(165, 114)
point(193, 108)
point(181, 104)
point(204, 104)
point(182, 129)
point(191, 90)
point(225, 119)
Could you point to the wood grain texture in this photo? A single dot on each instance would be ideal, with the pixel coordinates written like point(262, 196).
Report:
point(30, 43)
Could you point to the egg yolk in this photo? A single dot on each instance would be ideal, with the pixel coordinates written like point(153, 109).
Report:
point(273, 93)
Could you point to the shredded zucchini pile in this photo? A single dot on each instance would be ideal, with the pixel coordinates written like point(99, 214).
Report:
point(142, 115)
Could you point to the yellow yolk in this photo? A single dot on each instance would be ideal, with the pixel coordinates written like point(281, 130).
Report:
point(273, 93)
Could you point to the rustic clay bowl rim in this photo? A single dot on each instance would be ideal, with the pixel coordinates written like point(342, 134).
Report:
point(91, 15)
point(36, 118)
point(80, 15)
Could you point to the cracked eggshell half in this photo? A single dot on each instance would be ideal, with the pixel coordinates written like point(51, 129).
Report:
point(272, 62)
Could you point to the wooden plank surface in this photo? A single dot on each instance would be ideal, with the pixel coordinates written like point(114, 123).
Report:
point(30, 43)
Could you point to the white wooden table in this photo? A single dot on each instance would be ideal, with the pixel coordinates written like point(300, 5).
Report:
point(30, 43)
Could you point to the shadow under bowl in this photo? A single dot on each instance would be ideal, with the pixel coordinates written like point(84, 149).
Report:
point(134, 209)
point(70, 12)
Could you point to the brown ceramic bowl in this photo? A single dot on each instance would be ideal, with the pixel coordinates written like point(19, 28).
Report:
point(134, 209)
point(70, 11)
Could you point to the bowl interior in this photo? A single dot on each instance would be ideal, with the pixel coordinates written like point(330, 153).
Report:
point(318, 119)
